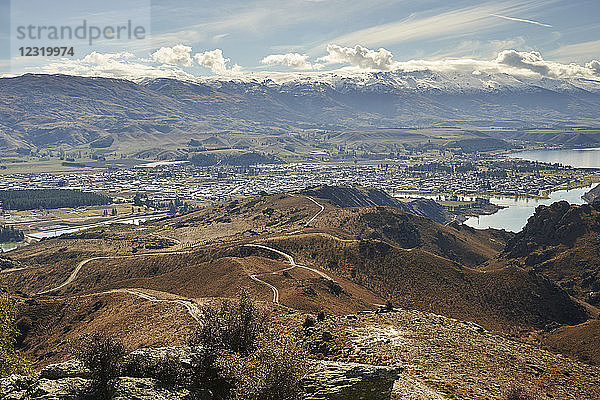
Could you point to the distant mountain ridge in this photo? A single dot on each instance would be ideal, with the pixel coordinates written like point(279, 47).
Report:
point(46, 110)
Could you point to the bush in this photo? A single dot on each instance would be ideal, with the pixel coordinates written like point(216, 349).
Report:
point(321, 316)
point(309, 322)
point(234, 326)
point(272, 372)
point(166, 369)
point(103, 356)
point(389, 306)
point(518, 393)
point(335, 288)
point(11, 360)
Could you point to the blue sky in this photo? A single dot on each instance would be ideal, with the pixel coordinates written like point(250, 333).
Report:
point(239, 36)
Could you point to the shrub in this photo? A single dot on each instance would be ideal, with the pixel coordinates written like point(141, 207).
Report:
point(235, 326)
point(518, 393)
point(272, 372)
point(103, 356)
point(389, 306)
point(334, 288)
point(11, 360)
point(166, 369)
point(309, 322)
point(321, 316)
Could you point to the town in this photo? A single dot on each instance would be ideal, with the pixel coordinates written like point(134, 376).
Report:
point(461, 175)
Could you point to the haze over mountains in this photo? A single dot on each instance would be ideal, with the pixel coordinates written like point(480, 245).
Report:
point(46, 110)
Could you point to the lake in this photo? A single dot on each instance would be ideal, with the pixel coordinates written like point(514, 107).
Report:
point(577, 158)
point(515, 216)
point(519, 210)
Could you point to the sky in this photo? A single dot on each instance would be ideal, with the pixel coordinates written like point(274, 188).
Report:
point(191, 38)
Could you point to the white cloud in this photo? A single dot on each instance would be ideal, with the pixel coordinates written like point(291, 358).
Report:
point(534, 62)
point(577, 51)
point(293, 60)
point(531, 60)
point(445, 24)
point(358, 56)
point(528, 21)
point(215, 61)
point(106, 58)
point(176, 55)
point(220, 36)
point(594, 65)
point(113, 65)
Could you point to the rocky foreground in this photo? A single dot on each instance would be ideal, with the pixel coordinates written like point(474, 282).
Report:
point(70, 381)
point(443, 358)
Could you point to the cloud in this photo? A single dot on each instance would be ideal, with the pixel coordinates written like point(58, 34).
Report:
point(215, 61)
point(358, 56)
point(220, 36)
point(113, 65)
point(594, 65)
point(531, 60)
point(443, 25)
point(528, 21)
point(176, 55)
point(106, 58)
point(293, 60)
point(534, 62)
point(577, 51)
point(490, 48)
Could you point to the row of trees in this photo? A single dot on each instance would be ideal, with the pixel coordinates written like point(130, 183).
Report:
point(173, 206)
point(10, 234)
point(50, 198)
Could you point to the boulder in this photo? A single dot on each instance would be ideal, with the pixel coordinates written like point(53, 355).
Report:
point(127, 388)
point(67, 369)
point(350, 381)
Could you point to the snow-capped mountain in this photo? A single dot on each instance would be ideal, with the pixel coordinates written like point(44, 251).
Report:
point(40, 110)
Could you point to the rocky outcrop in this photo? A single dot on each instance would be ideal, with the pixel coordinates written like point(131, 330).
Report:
point(593, 195)
point(349, 381)
point(70, 380)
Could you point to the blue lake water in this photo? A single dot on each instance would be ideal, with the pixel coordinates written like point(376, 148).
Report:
point(578, 158)
point(515, 216)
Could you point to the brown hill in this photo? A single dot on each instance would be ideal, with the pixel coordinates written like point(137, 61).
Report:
point(562, 242)
point(458, 243)
point(503, 299)
point(367, 255)
point(581, 341)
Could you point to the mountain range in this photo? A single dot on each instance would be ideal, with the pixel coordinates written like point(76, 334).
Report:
point(38, 111)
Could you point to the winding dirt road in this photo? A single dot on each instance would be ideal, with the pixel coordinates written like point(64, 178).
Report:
point(191, 307)
point(288, 257)
point(292, 266)
point(75, 272)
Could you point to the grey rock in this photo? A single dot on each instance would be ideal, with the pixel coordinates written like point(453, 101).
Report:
point(59, 389)
point(67, 381)
point(68, 369)
point(15, 387)
point(350, 381)
point(127, 388)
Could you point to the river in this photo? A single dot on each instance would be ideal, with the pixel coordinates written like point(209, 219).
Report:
point(514, 217)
